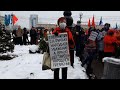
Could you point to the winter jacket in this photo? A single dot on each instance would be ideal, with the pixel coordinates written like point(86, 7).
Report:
point(117, 35)
point(109, 43)
point(33, 33)
point(70, 36)
point(19, 33)
point(80, 38)
point(90, 46)
point(100, 42)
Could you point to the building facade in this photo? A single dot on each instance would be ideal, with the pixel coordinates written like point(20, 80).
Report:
point(33, 20)
point(2, 19)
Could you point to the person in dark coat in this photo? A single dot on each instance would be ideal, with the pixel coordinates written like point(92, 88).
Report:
point(25, 36)
point(80, 38)
point(61, 29)
point(33, 35)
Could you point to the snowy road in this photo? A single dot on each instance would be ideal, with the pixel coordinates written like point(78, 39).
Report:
point(21, 67)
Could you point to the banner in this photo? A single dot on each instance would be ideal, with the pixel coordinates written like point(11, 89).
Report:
point(59, 50)
point(93, 35)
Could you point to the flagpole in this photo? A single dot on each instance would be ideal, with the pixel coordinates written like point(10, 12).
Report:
point(12, 21)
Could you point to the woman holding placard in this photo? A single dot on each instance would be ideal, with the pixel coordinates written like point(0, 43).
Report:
point(62, 29)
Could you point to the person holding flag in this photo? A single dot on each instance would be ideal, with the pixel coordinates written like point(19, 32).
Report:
point(101, 22)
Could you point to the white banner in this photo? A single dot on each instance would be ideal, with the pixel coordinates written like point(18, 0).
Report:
point(93, 35)
point(59, 50)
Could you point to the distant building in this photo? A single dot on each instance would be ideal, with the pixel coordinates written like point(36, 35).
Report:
point(33, 20)
point(47, 26)
point(97, 26)
point(2, 19)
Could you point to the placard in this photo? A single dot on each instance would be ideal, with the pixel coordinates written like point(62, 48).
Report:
point(59, 50)
point(93, 35)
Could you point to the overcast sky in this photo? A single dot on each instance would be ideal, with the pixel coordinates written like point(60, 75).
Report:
point(111, 17)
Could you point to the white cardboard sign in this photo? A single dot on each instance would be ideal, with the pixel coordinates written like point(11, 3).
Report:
point(93, 35)
point(59, 50)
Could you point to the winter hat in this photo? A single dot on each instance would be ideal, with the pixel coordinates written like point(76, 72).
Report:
point(111, 32)
point(61, 19)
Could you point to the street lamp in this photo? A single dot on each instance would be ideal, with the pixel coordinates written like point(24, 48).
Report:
point(81, 14)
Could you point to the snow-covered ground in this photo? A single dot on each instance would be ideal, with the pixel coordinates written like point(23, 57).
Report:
point(21, 66)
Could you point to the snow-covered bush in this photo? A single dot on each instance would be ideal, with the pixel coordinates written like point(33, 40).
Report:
point(33, 49)
point(42, 45)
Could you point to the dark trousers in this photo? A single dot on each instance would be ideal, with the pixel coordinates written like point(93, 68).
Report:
point(108, 54)
point(64, 73)
point(33, 40)
point(88, 61)
point(14, 40)
point(25, 40)
point(72, 56)
point(101, 55)
point(19, 41)
point(77, 49)
point(82, 46)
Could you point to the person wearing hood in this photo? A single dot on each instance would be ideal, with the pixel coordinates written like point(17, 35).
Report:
point(62, 29)
point(109, 44)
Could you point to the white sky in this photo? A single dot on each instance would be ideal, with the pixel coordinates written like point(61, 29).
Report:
point(111, 17)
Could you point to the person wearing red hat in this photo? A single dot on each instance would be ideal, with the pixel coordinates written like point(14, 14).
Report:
point(62, 29)
point(109, 44)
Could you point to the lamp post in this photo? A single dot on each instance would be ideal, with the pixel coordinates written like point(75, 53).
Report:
point(81, 14)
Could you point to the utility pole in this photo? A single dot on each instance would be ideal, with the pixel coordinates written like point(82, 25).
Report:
point(81, 14)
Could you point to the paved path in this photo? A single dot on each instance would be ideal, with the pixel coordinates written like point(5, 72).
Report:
point(97, 68)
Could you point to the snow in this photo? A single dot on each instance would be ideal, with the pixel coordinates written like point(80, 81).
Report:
point(33, 48)
point(29, 66)
point(111, 60)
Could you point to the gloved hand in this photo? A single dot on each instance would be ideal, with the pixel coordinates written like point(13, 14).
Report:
point(114, 44)
point(56, 33)
point(71, 42)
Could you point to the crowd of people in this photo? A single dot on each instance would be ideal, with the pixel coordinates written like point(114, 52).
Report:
point(106, 44)
point(21, 36)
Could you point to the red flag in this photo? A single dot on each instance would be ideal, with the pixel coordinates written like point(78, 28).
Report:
point(15, 19)
point(93, 21)
point(89, 23)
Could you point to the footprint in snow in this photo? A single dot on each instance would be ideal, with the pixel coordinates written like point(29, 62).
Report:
point(31, 74)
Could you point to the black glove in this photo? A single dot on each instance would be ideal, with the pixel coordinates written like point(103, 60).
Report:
point(71, 42)
point(114, 44)
point(56, 34)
